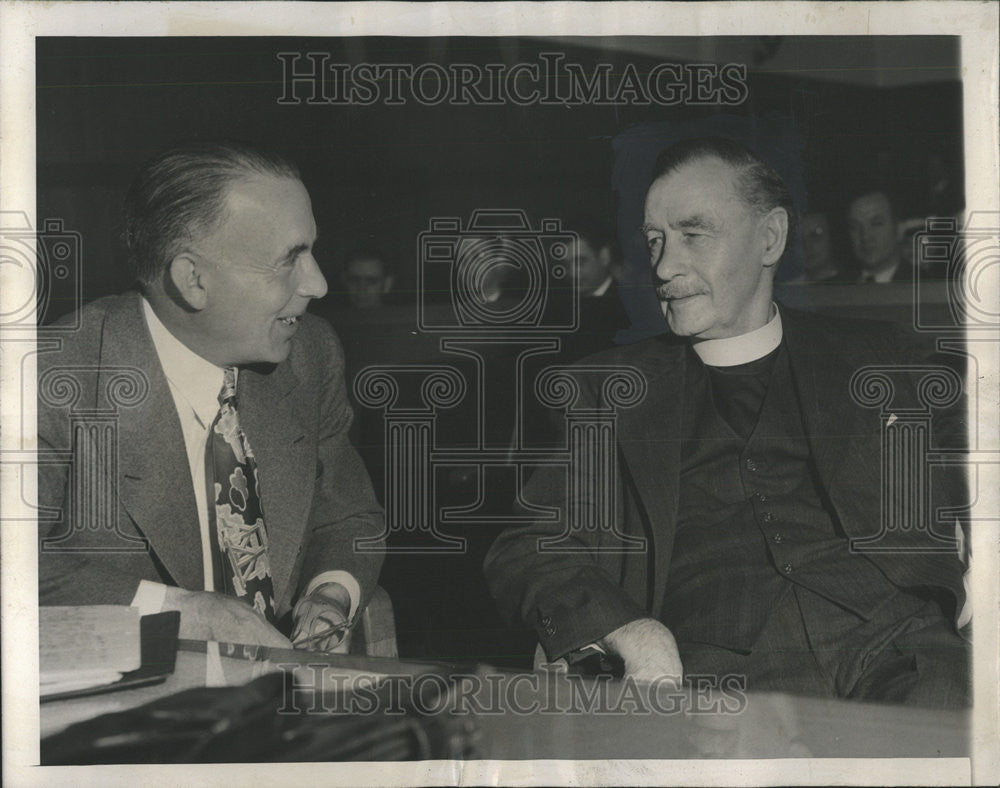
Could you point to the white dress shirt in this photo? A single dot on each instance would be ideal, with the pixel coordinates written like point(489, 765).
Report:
point(602, 288)
point(879, 277)
point(195, 385)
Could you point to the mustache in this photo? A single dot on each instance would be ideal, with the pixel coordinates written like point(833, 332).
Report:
point(667, 291)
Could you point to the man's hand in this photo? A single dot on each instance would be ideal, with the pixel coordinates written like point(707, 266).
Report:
point(326, 607)
point(206, 615)
point(648, 649)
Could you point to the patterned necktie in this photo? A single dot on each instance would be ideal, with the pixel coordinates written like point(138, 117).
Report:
point(239, 554)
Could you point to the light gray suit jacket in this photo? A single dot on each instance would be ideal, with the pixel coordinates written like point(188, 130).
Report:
point(316, 494)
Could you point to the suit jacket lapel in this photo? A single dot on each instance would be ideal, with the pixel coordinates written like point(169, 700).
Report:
point(650, 437)
point(842, 435)
point(285, 461)
point(154, 483)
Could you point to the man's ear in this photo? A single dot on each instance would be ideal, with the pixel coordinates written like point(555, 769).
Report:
point(774, 229)
point(186, 275)
point(387, 283)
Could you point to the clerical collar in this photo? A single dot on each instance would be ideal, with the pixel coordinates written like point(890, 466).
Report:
point(743, 349)
point(196, 379)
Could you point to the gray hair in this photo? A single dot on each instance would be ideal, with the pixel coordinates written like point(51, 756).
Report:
point(758, 185)
point(181, 193)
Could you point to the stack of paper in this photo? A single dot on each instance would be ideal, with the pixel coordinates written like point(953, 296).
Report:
point(86, 646)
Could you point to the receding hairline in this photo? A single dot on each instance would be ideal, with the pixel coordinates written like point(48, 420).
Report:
point(247, 175)
point(706, 157)
point(735, 171)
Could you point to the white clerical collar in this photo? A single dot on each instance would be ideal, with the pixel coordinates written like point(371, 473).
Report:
point(730, 351)
point(198, 381)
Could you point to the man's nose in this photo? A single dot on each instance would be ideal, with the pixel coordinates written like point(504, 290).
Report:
point(668, 265)
point(312, 283)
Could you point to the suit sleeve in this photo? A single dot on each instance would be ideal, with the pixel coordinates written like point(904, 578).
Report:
point(346, 523)
point(557, 577)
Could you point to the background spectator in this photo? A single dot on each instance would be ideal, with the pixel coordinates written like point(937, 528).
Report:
point(366, 278)
point(819, 260)
point(871, 227)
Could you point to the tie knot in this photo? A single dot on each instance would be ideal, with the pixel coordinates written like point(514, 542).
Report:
point(228, 392)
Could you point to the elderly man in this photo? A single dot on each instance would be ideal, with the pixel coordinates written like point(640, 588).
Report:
point(239, 499)
point(745, 471)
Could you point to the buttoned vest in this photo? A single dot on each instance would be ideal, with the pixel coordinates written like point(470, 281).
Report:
point(752, 518)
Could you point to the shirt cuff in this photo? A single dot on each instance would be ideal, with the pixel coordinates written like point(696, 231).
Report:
point(346, 579)
point(149, 597)
point(585, 651)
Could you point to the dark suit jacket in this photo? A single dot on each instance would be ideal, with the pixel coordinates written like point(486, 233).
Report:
point(601, 318)
point(574, 597)
point(316, 494)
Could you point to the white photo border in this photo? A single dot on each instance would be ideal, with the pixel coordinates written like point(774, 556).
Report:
point(22, 22)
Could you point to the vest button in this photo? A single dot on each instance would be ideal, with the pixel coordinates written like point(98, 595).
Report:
point(768, 517)
point(760, 497)
point(787, 569)
point(751, 465)
point(778, 538)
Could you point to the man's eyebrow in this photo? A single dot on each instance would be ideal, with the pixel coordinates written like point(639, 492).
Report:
point(294, 252)
point(647, 227)
point(697, 222)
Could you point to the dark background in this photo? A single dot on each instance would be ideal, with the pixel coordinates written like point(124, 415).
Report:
point(864, 109)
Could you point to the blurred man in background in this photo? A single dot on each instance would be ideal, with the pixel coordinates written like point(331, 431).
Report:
point(367, 279)
point(819, 262)
point(871, 227)
point(602, 314)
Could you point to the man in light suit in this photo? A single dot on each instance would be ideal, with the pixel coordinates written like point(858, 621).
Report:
point(220, 238)
point(746, 472)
